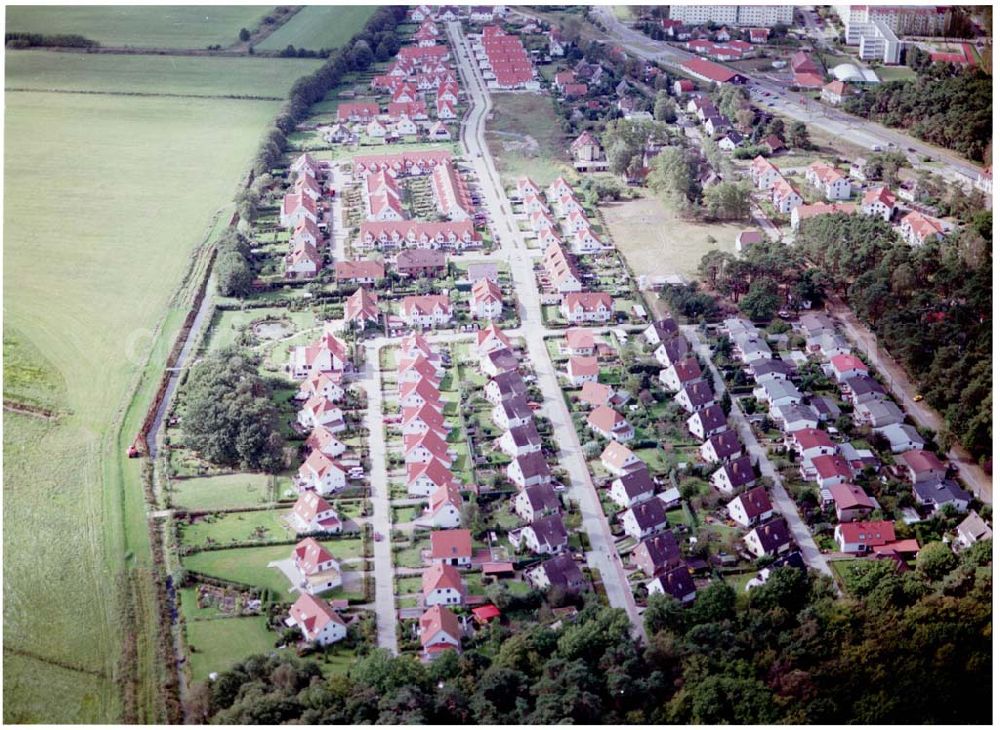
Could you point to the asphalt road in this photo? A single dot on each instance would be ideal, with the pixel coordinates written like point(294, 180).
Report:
point(796, 106)
point(602, 556)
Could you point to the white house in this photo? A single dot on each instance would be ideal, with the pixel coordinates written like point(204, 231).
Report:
point(317, 620)
point(320, 473)
point(632, 488)
point(751, 507)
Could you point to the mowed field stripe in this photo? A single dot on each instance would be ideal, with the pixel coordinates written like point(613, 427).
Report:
point(57, 662)
point(230, 97)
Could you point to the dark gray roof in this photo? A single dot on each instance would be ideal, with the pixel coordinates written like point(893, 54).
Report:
point(516, 407)
point(510, 383)
point(550, 531)
point(563, 571)
point(768, 366)
point(863, 385)
point(542, 497)
point(503, 359)
point(711, 417)
point(676, 347)
point(699, 393)
point(526, 435)
point(533, 464)
point(773, 534)
point(637, 482)
point(664, 328)
point(678, 583)
point(740, 471)
point(941, 492)
point(649, 514)
point(726, 443)
point(662, 550)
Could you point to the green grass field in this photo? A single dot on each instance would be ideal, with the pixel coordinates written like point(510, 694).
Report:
point(112, 193)
point(188, 75)
point(192, 26)
point(221, 492)
point(318, 26)
point(227, 324)
point(220, 643)
point(237, 526)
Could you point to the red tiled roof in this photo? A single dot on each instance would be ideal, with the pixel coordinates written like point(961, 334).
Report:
point(451, 544)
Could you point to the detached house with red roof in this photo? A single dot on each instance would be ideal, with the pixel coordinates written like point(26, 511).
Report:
point(863, 537)
point(312, 513)
point(851, 502)
point(829, 180)
point(317, 620)
point(424, 478)
point(609, 423)
point(452, 547)
point(684, 371)
point(318, 411)
point(619, 459)
point(918, 228)
point(439, 631)
point(442, 586)
point(297, 207)
point(486, 300)
point(444, 509)
point(582, 370)
point(317, 569)
point(303, 262)
point(879, 202)
point(361, 309)
point(321, 473)
point(579, 307)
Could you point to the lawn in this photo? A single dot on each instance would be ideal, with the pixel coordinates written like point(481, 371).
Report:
point(174, 26)
point(525, 138)
point(896, 73)
point(113, 193)
point(656, 241)
point(266, 526)
point(152, 75)
point(227, 323)
point(318, 26)
point(220, 492)
point(219, 643)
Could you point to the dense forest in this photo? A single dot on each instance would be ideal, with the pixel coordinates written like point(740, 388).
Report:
point(930, 306)
point(907, 648)
point(951, 111)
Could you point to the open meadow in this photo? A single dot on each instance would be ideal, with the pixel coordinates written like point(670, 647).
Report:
point(177, 26)
point(159, 75)
point(105, 199)
point(656, 241)
point(319, 26)
point(526, 138)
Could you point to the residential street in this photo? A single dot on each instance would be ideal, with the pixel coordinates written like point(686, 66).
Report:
point(904, 391)
point(779, 496)
point(385, 602)
point(602, 556)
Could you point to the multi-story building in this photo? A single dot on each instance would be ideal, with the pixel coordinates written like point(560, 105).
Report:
point(741, 15)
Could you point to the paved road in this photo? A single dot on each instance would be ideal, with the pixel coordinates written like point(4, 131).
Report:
point(798, 107)
point(602, 556)
point(904, 391)
point(385, 602)
point(779, 496)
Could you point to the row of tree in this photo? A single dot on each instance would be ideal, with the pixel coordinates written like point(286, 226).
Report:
point(901, 648)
